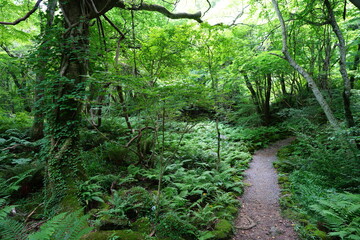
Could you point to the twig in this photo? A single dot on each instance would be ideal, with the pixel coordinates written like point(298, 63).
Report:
point(11, 147)
point(278, 55)
point(33, 211)
point(25, 17)
point(208, 8)
point(139, 135)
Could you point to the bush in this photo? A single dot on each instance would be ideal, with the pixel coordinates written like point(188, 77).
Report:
point(19, 120)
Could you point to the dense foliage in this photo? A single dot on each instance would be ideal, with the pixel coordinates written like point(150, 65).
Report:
point(117, 122)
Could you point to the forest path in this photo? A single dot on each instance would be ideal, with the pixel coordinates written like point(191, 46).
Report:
point(260, 218)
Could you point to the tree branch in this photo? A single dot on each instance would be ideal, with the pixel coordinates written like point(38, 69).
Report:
point(25, 17)
point(9, 53)
point(114, 26)
point(160, 9)
point(356, 3)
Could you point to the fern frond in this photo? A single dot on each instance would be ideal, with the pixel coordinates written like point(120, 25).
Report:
point(65, 226)
point(11, 229)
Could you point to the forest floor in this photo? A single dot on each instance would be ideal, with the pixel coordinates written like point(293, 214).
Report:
point(260, 217)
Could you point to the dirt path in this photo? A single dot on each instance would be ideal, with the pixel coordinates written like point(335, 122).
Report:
point(259, 217)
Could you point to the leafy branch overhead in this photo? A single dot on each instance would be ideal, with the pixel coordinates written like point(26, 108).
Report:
point(98, 8)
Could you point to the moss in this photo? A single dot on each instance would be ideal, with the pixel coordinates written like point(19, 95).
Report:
point(142, 225)
point(283, 179)
point(120, 234)
point(108, 222)
point(223, 230)
point(321, 234)
point(231, 210)
point(174, 228)
point(70, 203)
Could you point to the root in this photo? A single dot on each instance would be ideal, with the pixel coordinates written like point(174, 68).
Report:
point(246, 223)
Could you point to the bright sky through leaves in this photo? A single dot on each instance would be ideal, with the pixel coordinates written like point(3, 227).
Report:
point(222, 11)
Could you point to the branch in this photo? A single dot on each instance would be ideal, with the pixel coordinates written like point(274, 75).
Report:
point(160, 9)
point(139, 135)
point(25, 17)
point(278, 55)
point(208, 7)
point(10, 54)
point(114, 26)
point(239, 15)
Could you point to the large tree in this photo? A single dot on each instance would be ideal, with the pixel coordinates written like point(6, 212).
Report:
point(68, 88)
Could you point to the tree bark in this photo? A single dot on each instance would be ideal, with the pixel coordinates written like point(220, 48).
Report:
point(342, 50)
point(318, 95)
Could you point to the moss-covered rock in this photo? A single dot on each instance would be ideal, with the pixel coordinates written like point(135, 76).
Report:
point(119, 234)
point(112, 222)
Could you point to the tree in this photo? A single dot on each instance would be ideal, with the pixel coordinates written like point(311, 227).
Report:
point(342, 52)
point(68, 88)
point(318, 95)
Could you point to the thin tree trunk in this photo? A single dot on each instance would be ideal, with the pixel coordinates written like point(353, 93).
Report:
point(254, 96)
point(218, 149)
point(283, 85)
point(354, 67)
point(267, 115)
point(318, 95)
point(124, 108)
point(37, 131)
point(342, 49)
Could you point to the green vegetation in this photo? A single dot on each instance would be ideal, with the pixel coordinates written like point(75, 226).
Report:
point(131, 121)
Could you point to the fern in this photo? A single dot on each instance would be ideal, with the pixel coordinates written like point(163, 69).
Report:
point(9, 228)
point(64, 226)
point(7, 187)
point(341, 214)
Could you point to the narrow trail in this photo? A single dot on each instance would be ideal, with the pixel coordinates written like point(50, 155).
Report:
point(259, 217)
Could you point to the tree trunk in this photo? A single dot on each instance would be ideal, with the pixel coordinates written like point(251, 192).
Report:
point(254, 96)
point(354, 67)
point(318, 95)
point(64, 121)
point(37, 131)
point(342, 50)
point(283, 85)
point(325, 68)
point(266, 108)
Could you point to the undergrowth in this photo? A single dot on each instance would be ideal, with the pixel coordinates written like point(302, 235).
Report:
point(174, 186)
point(320, 178)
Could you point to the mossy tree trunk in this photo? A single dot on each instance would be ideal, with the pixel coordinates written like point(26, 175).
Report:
point(64, 119)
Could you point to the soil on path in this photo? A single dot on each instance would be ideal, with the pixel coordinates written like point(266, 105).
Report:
point(259, 217)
